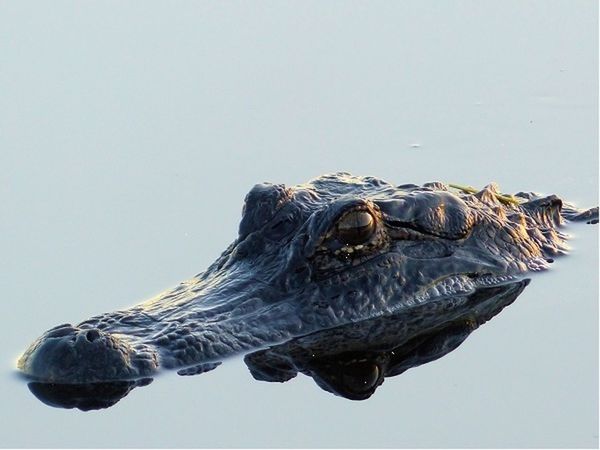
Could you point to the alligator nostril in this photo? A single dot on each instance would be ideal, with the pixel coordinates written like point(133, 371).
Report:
point(92, 335)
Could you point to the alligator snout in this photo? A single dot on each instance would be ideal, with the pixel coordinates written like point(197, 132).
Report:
point(72, 355)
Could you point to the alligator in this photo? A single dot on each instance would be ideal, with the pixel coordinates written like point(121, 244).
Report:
point(350, 361)
point(337, 250)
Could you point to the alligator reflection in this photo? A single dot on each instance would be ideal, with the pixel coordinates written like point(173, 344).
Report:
point(351, 361)
point(85, 397)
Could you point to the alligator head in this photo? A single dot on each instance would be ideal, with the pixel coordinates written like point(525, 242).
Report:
point(337, 250)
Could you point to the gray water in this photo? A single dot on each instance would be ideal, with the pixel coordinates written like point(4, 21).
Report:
point(130, 133)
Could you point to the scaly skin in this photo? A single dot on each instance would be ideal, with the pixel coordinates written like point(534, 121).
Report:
point(299, 266)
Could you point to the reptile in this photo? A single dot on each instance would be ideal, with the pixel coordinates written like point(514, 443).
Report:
point(350, 360)
point(337, 250)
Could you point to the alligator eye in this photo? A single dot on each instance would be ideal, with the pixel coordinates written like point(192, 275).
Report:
point(356, 227)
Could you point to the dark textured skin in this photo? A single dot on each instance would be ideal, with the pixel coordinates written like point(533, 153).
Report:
point(288, 275)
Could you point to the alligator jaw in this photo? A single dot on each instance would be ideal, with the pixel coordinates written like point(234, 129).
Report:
point(217, 314)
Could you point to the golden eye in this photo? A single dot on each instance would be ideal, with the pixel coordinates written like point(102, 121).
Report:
point(356, 227)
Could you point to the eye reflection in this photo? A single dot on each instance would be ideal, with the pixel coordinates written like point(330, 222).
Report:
point(360, 377)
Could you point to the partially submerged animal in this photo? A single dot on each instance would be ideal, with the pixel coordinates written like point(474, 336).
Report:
point(350, 360)
point(337, 250)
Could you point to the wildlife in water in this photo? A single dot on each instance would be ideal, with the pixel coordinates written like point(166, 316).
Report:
point(351, 360)
point(336, 257)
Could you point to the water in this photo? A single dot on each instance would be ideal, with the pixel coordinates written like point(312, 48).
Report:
point(130, 138)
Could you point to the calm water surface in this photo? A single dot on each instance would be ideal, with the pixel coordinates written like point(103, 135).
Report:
point(130, 138)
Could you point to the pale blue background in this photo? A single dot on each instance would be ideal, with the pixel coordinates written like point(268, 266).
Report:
point(131, 131)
